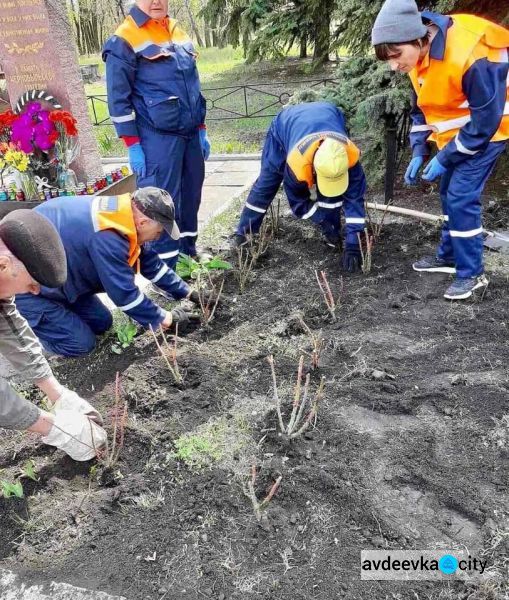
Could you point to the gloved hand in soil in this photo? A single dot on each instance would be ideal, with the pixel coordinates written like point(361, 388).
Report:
point(76, 434)
point(207, 298)
point(178, 316)
point(352, 257)
point(69, 400)
point(413, 169)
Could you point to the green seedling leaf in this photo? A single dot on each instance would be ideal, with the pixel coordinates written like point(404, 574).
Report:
point(28, 470)
point(186, 266)
point(12, 489)
point(125, 335)
point(218, 264)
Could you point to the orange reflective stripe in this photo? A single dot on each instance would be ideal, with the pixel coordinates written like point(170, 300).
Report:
point(152, 33)
point(438, 83)
point(115, 212)
point(300, 158)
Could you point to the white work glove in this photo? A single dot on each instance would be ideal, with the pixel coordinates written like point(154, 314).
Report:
point(70, 400)
point(76, 434)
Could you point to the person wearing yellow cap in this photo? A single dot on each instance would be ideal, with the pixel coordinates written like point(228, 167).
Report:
point(307, 149)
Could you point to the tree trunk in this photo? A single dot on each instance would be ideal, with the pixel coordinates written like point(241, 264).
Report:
point(194, 27)
point(303, 47)
point(207, 34)
point(321, 40)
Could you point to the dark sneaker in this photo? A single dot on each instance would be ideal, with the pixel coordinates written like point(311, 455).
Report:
point(432, 264)
point(463, 287)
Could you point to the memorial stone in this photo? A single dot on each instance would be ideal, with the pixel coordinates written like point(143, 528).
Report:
point(37, 51)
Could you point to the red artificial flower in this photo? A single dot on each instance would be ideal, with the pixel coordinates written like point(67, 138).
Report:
point(53, 137)
point(66, 119)
point(7, 119)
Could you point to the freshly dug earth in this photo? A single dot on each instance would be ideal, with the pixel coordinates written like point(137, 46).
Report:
point(410, 448)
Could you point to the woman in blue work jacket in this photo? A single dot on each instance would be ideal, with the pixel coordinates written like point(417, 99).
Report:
point(156, 106)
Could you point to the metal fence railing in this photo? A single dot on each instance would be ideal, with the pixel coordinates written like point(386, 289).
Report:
point(246, 101)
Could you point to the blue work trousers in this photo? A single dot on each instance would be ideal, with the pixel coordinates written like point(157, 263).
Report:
point(460, 191)
point(63, 328)
point(175, 164)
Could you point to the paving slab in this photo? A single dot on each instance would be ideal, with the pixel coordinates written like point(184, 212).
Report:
point(12, 588)
point(226, 178)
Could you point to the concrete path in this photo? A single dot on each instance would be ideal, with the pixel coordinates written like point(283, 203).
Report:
point(226, 177)
point(12, 588)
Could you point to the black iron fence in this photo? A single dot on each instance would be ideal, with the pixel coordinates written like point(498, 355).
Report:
point(249, 101)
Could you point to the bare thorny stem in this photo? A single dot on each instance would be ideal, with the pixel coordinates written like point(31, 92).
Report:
point(208, 306)
point(332, 304)
point(248, 254)
point(297, 424)
point(109, 457)
point(366, 253)
point(316, 344)
point(259, 507)
point(170, 356)
point(376, 227)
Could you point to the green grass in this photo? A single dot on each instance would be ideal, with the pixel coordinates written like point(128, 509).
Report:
point(223, 68)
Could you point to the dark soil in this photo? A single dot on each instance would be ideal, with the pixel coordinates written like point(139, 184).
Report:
point(410, 448)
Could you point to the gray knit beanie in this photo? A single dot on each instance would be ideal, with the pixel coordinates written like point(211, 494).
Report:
point(398, 22)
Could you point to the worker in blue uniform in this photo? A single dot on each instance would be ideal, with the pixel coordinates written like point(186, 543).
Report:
point(156, 106)
point(104, 239)
point(458, 65)
point(307, 149)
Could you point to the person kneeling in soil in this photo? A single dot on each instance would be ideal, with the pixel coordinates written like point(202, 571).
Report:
point(31, 256)
point(308, 150)
point(459, 67)
point(103, 239)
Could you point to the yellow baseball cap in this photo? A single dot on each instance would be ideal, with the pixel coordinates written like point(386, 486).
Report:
point(331, 168)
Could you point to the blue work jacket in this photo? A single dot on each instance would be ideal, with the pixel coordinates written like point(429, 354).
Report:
point(152, 78)
point(98, 261)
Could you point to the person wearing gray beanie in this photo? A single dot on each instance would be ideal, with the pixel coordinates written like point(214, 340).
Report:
point(459, 68)
point(399, 21)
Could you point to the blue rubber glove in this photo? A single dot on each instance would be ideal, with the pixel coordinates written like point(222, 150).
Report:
point(413, 169)
point(137, 160)
point(433, 170)
point(205, 143)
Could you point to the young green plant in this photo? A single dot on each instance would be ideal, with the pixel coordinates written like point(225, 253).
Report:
point(189, 268)
point(297, 424)
point(28, 470)
point(10, 490)
point(125, 334)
